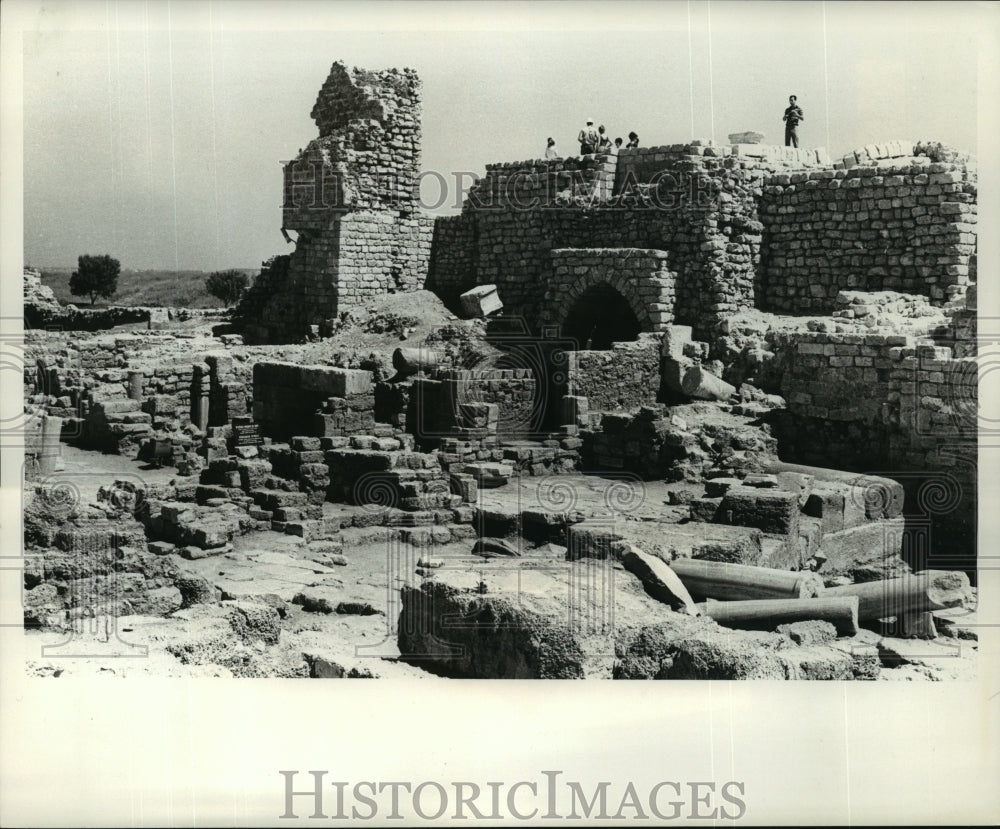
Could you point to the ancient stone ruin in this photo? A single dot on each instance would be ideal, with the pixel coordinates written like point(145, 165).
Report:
point(351, 196)
point(686, 411)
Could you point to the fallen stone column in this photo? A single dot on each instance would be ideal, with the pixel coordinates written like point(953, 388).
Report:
point(920, 593)
point(732, 582)
point(696, 382)
point(841, 612)
point(408, 361)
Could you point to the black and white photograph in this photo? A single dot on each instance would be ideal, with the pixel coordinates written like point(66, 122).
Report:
point(428, 343)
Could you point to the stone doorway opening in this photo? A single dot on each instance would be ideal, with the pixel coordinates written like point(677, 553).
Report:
point(599, 317)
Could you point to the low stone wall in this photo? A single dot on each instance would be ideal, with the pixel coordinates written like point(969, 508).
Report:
point(539, 183)
point(79, 319)
point(658, 443)
point(646, 164)
point(434, 404)
point(621, 379)
point(287, 397)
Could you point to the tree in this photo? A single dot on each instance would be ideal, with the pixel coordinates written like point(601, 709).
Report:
point(229, 286)
point(95, 276)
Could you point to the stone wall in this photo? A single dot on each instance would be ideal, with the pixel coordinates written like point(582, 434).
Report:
point(351, 196)
point(435, 404)
point(695, 202)
point(908, 225)
point(885, 405)
point(380, 253)
point(645, 164)
point(620, 379)
point(744, 226)
point(288, 400)
point(658, 443)
point(452, 264)
point(43, 311)
point(537, 183)
point(933, 420)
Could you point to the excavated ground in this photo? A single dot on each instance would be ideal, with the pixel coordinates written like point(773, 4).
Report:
point(333, 610)
point(523, 582)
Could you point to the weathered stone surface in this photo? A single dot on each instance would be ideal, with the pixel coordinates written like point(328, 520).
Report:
point(770, 510)
point(254, 622)
point(808, 633)
point(867, 552)
point(659, 580)
point(158, 602)
point(196, 590)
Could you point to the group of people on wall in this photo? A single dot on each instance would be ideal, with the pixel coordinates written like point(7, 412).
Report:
point(596, 140)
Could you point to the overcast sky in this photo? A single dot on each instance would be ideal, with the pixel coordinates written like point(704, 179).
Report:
point(154, 131)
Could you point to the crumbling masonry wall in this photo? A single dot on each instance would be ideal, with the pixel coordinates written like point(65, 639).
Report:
point(351, 196)
point(744, 226)
point(696, 203)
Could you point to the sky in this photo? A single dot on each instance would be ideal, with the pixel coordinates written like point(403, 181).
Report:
point(155, 131)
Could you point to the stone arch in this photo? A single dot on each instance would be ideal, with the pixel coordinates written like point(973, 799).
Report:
point(639, 277)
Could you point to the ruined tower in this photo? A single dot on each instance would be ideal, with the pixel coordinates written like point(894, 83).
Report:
point(350, 196)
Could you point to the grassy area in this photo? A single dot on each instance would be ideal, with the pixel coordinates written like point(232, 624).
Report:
point(178, 289)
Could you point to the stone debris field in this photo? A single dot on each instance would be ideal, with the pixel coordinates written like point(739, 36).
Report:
point(699, 411)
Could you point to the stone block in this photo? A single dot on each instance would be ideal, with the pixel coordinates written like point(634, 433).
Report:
point(335, 382)
point(481, 301)
point(866, 552)
point(705, 509)
point(770, 510)
point(835, 505)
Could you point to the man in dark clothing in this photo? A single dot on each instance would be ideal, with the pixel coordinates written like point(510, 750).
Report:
point(793, 115)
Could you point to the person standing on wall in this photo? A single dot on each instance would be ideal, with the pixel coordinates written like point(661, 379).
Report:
point(588, 138)
point(550, 149)
point(792, 117)
point(603, 142)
